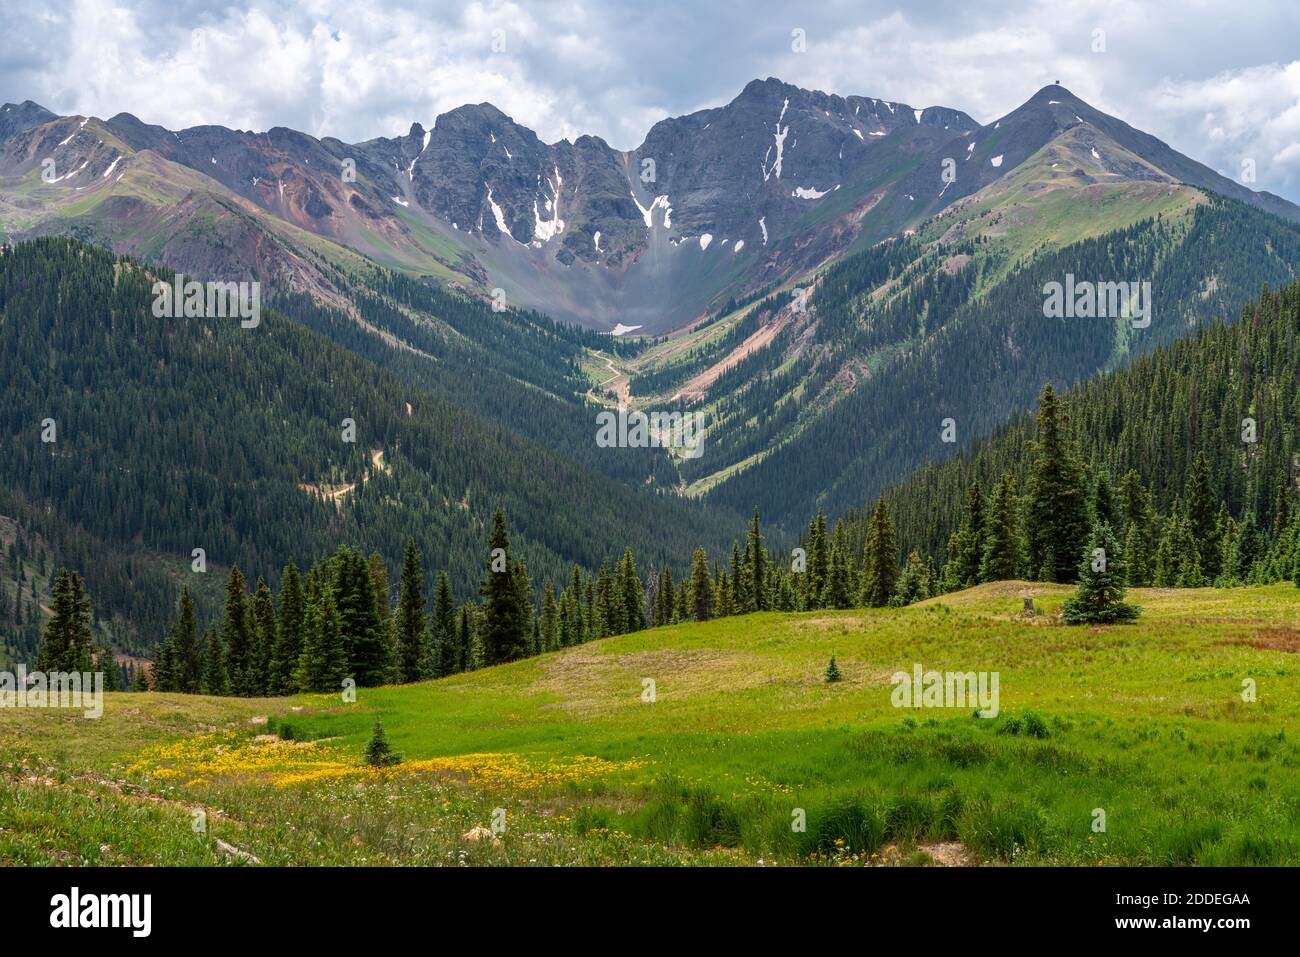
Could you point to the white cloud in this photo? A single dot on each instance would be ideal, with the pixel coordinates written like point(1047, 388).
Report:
point(1212, 81)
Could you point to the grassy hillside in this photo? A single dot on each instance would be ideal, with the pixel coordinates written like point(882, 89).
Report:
point(1146, 722)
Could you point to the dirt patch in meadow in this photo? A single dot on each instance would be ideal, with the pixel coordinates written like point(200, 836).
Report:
point(1271, 639)
point(949, 854)
point(589, 681)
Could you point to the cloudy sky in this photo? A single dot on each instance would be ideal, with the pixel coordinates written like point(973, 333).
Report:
point(1217, 79)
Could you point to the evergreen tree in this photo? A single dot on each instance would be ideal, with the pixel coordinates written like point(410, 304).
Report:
point(187, 665)
point(880, 559)
point(356, 611)
point(445, 657)
point(833, 671)
point(1135, 557)
point(411, 627)
point(818, 561)
point(216, 680)
point(324, 661)
point(139, 679)
point(1001, 559)
point(835, 592)
point(264, 624)
point(379, 753)
point(504, 631)
point(631, 594)
point(1056, 508)
point(289, 634)
point(757, 570)
point(238, 637)
point(549, 622)
point(1104, 506)
point(701, 587)
point(1099, 598)
point(66, 644)
point(912, 585)
point(1202, 516)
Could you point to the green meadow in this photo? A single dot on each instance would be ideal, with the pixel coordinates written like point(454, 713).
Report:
point(720, 743)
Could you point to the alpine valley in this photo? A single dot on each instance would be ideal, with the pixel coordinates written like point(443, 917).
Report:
point(828, 280)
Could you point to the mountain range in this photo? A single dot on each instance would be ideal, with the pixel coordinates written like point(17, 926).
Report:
point(827, 279)
point(720, 203)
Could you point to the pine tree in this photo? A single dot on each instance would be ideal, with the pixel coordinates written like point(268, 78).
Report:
point(833, 671)
point(288, 638)
point(444, 658)
point(835, 592)
point(216, 680)
point(324, 661)
point(1135, 557)
point(1002, 552)
point(188, 668)
point(757, 570)
point(549, 621)
point(411, 627)
point(139, 679)
point(880, 559)
point(379, 753)
point(1202, 517)
point(66, 643)
point(1056, 516)
point(356, 611)
point(1104, 506)
point(504, 630)
point(818, 561)
point(912, 585)
point(631, 594)
point(264, 624)
point(238, 637)
point(1099, 598)
point(702, 607)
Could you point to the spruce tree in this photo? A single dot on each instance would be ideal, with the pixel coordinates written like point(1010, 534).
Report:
point(238, 637)
point(757, 571)
point(835, 592)
point(1099, 598)
point(1056, 512)
point(411, 627)
point(288, 637)
point(66, 643)
point(264, 624)
point(1002, 552)
point(833, 671)
point(188, 668)
point(504, 632)
point(324, 661)
point(444, 658)
point(216, 680)
point(818, 561)
point(701, 587)
point(880, 559)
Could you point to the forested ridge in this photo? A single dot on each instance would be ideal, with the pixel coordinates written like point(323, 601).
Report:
point(171, 435)
point(944, 343)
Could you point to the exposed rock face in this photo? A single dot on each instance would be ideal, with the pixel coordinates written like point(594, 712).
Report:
point(719, 203)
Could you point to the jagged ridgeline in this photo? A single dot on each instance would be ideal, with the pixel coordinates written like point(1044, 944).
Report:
point(1196, 442)
point(176, 434)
